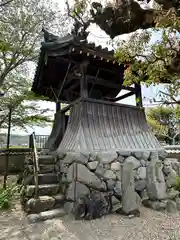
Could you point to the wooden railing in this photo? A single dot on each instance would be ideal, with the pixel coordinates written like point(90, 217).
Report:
point(35, 163)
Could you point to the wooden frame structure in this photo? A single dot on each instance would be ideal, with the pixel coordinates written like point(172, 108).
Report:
point(74, 72)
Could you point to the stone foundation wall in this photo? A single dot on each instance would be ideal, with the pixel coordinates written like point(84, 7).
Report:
point(118, 181)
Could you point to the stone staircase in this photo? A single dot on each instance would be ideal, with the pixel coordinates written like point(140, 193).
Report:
point(51, 200)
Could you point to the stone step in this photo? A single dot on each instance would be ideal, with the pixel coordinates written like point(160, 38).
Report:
point(44, 190)
point(46, 178)
point(44, 152)
point(43, 216)
point(46, 159)
point(43, 178)
point(44, 203)
point(44, 168)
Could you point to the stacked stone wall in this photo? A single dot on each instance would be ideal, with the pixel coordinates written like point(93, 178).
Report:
point(119, 181)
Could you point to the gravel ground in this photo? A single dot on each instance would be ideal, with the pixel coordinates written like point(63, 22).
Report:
point(150, 226)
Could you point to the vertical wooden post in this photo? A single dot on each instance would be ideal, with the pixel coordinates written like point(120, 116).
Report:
point(58, 106)
point(138, 95)
point(8, 143)
point(63, 122)
point(84, 86)
point(83, 80)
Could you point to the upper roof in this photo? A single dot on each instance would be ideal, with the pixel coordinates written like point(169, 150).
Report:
point(58, 60)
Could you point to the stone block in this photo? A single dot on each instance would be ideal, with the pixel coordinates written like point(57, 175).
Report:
point(171, 179)
point(154, 156)
point(106, 157)
point(114, 200)
point(140, 185)
point(57, 168)
point(121, 159)
point(156, 185)
point(69, 159)
point(30, 191)
point(33, 218)
point(68, 207)
point(124, 153)
point(142, 155)
point(118, 189)
point(162, 154)
point(92, 165)
point(171, 206)
point(62, 155)
point(85, 176)
point(155, 205)
point(116, 207)
point(55, 213)
point(175, 164)
point(172, 193)
point(107, 166)
point(110, 184)
point(144, 194)
point(178, 204)
point(143, 163)
point(76, 190)
point(41, 204)
point(76, 157)
point(167, 167)
point(132, 160)
point(64, 168)
point(115, 166)
point(100, 170)
point(141, 173)
point(109, 175)
point(129, 196)
point(118, 175)
point(92, 157)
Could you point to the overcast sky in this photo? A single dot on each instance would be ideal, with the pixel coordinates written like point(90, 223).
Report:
point(100, 38)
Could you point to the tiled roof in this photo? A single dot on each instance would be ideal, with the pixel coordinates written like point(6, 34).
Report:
point(97, 126)
point(172, 148)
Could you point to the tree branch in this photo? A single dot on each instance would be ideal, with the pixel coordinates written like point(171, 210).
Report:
point(5, 3)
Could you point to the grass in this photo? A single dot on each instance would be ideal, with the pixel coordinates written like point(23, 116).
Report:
point(8, 195)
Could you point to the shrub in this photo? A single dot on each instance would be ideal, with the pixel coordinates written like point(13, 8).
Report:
point(7, 195)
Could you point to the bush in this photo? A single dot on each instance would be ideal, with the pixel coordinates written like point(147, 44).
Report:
point(178, 183)
point(7, 196)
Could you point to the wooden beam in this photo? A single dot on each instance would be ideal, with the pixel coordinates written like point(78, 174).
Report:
point(64, 80)
point(123, 96)
point(101, 81)
point(70, 60)
point(65, 109)
point(108, 103)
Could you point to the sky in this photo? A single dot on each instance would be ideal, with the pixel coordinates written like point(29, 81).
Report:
point(99, 38)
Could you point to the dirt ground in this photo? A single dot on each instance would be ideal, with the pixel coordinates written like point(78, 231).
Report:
point(150, 225)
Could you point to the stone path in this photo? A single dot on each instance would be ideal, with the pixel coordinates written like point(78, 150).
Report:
point(150, 226)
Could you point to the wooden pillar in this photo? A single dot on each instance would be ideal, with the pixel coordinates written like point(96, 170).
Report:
point(138, 95)
point(63, 123)
point(58, 107)
point(84, 86)
point(83, 80)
